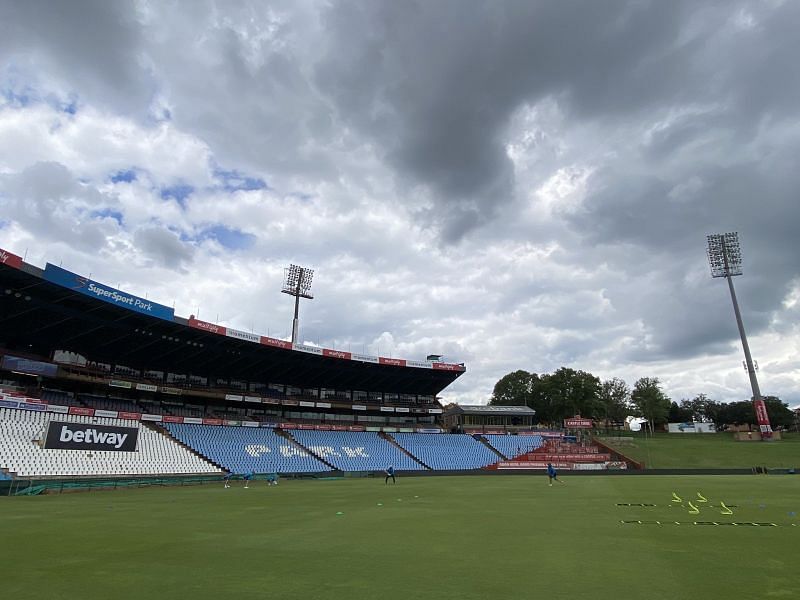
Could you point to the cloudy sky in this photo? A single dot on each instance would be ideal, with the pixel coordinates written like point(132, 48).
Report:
point(514, 185)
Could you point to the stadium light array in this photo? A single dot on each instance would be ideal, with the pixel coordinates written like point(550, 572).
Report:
point(725, 259)
point(297, 283)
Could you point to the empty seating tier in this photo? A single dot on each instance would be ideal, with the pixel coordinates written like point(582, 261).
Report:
point(356, 451)
point(512, 446)
point(245, 449)
point(445, 452)
point(21, 452)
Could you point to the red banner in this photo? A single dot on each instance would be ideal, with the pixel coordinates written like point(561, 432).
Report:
point(130, 416)
point(268, 341)
point(288, 425)
point(172, 419)
point(212, 421)
point(206, 326)
point(323, 427)
point(577, 457)
point(339, 427)
point(306, 426)
point(397, 362)
point(79, 410)
point(763, 418)
point(336, 354)
point(12, 260)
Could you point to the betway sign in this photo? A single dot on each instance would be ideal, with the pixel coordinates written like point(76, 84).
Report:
point(108, 294)
point(88, 436)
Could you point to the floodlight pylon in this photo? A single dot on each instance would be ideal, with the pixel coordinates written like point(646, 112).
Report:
point(725, 259)
point(297, 283)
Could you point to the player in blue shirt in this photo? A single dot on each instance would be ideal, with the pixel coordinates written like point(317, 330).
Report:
point(552, 474)
point(248, 476)
point(272, 479)
point(227, 479)
point(389, 473)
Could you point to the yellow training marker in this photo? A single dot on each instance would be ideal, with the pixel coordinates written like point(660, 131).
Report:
point(700, 497)
point(694, 510)
point(725, 510)
point(676, 498)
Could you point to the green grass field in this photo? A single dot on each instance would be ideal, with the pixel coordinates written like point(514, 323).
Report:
point(718, 450)
point(471, 537)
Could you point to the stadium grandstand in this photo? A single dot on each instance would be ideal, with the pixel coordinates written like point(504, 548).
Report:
point(85, 366)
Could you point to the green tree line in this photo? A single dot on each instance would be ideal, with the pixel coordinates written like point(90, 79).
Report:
point(569, 392)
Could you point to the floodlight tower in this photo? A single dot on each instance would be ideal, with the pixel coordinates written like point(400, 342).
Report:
point(725, 258)
point(297, 283)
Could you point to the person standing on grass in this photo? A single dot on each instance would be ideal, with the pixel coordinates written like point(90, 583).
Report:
point(389, 473)
point(552, 474)
point(248, 476)
point(227, 479)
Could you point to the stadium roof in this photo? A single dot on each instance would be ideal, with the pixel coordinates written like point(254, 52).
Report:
point(45, 310)
point(512, 411)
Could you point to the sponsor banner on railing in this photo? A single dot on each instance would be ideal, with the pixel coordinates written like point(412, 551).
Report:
point(364, 358)
point(578, 456)
point(307, 404)
point(53, 408)
point(428, 430)
point(10, 259)
point(288, 425)
point(86, 286)
point(234, 397)
point(577, 423)
point(359, 407)
point(146, 417)
point(84, 436)
point(323, 404)
point(130, 416)
point(117, 383)
point(289, 402)
point(397, 362)
point(146, 387)
point(389, 429)
point(206, 326)
point(172, 391)
point(270, 401)
point(212, 421)
point(434, 411)
point(249, 423)
point(243, 335)
point(323, 427)
point(252, 399)
point(8, 404)
point(29, 367)
point(401, 409)
point(419, 364)
point(447, 367)
point(110, 414)
point(172, 419)
point(193, 420)
point(34, 401)
point(305, 426)
point(268, 424)
point(307, 349)
point(232, 422)
point(356, 428)
point(387, 409)
point(29, 406)
point(79, 410)
point(276, 343)
point(530, 464)
point(339, 427)
point(336, 354)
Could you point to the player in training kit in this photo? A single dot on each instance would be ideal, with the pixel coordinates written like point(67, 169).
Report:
point(227, 479)
point(389, 473)
point(552, 474)
point(272, 479)
point(247, 479)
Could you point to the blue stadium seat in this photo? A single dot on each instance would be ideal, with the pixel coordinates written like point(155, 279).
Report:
point(514, 445)
point(356, 451)
point(446, 452)
point(245, 449)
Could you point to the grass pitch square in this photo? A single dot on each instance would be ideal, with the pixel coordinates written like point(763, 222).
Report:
point(472, 537)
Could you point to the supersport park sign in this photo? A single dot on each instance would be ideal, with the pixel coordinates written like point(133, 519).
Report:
point(86, 286)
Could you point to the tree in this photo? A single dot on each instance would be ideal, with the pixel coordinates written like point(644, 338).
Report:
point(702, 408)
point(679, 414)
point(614, 396)
point(513, 389)
point(780, 415)
point(567, 393)
point(650, 401)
